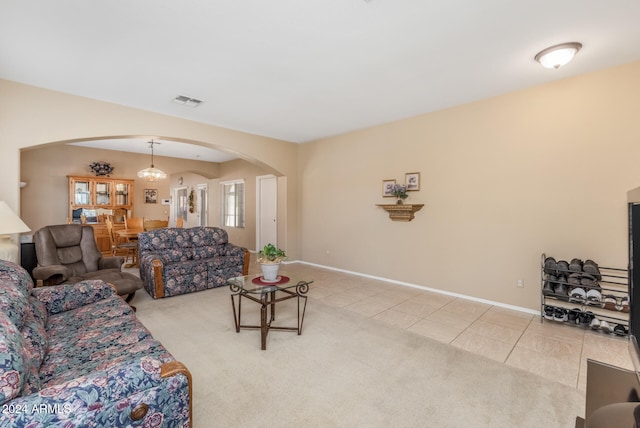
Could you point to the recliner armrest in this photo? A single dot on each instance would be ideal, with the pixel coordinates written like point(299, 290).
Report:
point(111, 262)
point(51, 275)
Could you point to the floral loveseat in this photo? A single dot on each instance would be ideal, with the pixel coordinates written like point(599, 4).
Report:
point(74, 355)
point(176, 261)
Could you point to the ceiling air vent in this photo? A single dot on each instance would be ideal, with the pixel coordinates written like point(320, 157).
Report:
point(187, 101)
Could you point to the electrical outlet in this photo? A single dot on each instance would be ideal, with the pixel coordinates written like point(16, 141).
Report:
point(520, 283)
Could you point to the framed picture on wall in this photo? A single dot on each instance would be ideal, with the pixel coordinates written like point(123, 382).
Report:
point(150, 196)
point(387, 188)
point(412, 180)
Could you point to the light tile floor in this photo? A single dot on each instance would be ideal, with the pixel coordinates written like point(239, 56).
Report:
point(555, 351)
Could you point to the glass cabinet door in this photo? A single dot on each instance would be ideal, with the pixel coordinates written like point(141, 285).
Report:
point(82, 193)
point(103, 193)
point(122, 194)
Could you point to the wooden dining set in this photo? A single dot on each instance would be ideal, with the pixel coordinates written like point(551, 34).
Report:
point(124, 242)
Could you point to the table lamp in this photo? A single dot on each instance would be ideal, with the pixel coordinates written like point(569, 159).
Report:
point(10, 224)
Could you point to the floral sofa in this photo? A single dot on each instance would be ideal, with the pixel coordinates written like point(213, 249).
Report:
point(74, 355)
point(176, 261)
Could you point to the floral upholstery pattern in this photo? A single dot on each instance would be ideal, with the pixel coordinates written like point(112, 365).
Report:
point(75, 355)
point(192, 259)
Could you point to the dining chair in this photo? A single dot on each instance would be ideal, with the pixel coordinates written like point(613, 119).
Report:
point(126, 249)
point(155, 224)
point(134, 223)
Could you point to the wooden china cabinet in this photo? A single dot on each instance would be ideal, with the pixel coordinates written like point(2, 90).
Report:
point(91, 198)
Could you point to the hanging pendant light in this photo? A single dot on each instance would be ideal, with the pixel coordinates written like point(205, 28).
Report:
point(152, 173)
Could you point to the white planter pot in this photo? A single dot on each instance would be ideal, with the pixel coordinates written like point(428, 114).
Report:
point(270, 271)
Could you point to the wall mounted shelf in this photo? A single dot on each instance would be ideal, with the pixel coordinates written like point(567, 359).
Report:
point(401, 212)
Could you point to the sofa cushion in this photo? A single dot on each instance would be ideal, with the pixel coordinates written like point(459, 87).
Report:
point(95, 337)
point(184, 277)
point(14, 363)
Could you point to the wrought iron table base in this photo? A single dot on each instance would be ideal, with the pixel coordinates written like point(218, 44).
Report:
point(268, 302)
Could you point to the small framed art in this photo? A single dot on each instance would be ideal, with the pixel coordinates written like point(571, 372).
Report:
point(387, 188)
point(150, 196)
point(412, 180)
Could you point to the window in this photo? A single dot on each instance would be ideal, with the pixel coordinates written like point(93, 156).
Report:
point(233, 203)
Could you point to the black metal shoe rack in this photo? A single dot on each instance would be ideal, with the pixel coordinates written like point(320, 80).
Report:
point(569, 306)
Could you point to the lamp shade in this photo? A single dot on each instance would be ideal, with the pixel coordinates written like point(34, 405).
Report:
point(558, 55)
point(10, 223)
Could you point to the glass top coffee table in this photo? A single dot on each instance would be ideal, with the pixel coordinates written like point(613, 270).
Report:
point(267, 294)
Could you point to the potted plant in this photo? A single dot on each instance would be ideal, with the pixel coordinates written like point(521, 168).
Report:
point(400, 192)
point(269, 258)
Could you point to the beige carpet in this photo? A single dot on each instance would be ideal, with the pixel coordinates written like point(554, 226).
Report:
point(345, 370)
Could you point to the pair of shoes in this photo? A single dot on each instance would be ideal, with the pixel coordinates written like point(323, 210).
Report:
point(552, 287)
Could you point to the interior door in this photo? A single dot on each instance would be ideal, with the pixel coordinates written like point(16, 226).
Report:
point(267, 211)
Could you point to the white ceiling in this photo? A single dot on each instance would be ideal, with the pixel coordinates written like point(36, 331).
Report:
point(300, 70)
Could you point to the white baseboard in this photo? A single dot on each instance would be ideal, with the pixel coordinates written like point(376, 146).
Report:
point(422, 287)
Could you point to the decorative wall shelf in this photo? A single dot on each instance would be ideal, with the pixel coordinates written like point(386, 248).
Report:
point(401, 212)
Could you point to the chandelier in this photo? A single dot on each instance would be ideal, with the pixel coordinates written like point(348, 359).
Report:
point(152, 173)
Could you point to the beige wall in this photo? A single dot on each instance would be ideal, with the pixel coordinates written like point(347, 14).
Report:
point(33, 117)
point(503, 180)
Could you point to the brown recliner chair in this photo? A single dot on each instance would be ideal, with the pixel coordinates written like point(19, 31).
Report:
point(68, 253)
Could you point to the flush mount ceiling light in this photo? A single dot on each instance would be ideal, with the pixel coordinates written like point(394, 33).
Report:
point(152, 174)
point(187, 101)
point(558, 55)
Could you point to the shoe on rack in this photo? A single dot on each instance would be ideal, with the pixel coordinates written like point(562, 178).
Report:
point(592, 268)
point(585, 318)
point(606, 327)
point(560, 315)
point(548, 312)
point(578, 295)
point(588, 280)
point(595, 323)
point(609, 302)
point(573, 315)
point(594, 298)
point(550, 266)
point(563, 267)
point(624, 305)
point(547, 288)
point(575, 265)
point(574, 279)
point(562, 292)
point(621, 330)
